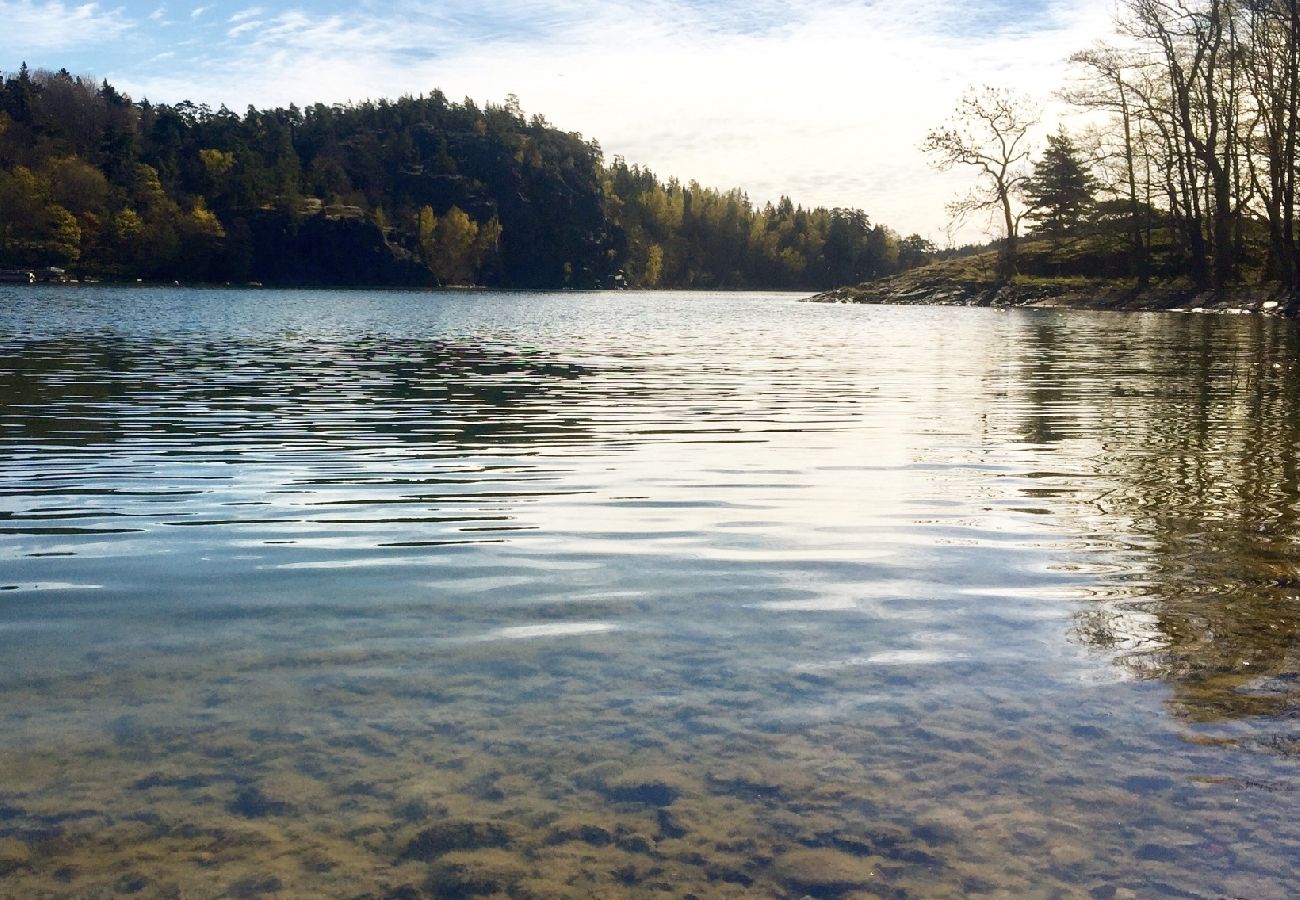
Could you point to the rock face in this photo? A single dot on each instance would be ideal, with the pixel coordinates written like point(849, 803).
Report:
point(939, 288)
point(320, 250)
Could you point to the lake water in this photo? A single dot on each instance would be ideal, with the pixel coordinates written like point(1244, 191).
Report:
point(407, 594)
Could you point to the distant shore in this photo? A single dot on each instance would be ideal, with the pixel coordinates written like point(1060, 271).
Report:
point(927, 288)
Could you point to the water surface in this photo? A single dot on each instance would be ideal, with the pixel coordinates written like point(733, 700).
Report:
point(394, 595)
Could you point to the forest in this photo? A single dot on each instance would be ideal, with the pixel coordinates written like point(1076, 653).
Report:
point(1186, 169)
point(415, 191)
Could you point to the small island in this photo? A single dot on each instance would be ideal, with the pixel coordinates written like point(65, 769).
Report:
point(1045, 280)
point(1178, 192)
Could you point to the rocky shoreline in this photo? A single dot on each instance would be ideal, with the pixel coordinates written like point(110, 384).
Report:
point(922, 288)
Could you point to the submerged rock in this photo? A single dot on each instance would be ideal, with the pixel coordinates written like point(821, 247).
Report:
point(475, 873)
point(583, 832)
point(1157, 853)
point(130, 883)
point(648, 786)
point(651, 793)
point(671, 825)
point(453, 835)
point(251, 803)
point(256, 886)
point(634, 842)
point(14, 855)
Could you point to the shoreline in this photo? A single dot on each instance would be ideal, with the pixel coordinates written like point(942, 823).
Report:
point(918, 289)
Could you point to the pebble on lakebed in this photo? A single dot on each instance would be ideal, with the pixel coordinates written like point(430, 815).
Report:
point(454, 799)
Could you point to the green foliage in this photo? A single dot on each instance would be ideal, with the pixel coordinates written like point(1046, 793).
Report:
point(1061, 191)
point(61, 236)
point(216, 162)
point(34, 230)
point(679, 235)
point(653, 269)
point(454, 246)
point(462, 193)
point(914, 251)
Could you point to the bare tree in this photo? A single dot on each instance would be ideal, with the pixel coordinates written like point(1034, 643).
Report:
point(1271, 65)
point(1110, 88)
point(989, 132)
point(1197, 40)
point(1205, 104)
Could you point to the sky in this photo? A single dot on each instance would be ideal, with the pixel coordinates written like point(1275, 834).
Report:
point(825, 101)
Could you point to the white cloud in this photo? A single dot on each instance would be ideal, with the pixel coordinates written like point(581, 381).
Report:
point(198, 11)
point(39, 26)
point(826, 101)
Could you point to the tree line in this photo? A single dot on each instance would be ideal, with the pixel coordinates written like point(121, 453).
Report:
point(1195, 169)
point(415, 190)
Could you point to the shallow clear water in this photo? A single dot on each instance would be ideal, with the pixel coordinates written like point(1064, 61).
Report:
point(389, 594)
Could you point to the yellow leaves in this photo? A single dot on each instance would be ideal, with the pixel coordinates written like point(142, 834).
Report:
point(76, 185)
point(666, 209)
point(454, 239)
point(793, 261)
point(425, 223)
point(489, 235)
point(147, 189)
point(654, 266)
point(33, 229)
point(454, 246)
point(127, 225)
point(216, 162)
point(203, 223)
point(28, 184)
point(64, 233)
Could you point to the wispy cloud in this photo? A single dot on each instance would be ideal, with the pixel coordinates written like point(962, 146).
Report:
point(198, 11)
point(826, 100)
point(35, 26)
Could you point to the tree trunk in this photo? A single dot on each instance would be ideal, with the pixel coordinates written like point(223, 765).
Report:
point(1141, 260)
point(1292, 96)
point(1225, 264)
point(1008, 265)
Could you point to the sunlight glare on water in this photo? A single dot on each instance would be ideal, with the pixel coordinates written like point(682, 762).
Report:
point(403, 594)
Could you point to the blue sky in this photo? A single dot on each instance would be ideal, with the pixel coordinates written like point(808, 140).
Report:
point(825, 100)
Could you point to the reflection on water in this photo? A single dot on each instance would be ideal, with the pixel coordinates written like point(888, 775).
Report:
point(402, 595)
point(1197, 431)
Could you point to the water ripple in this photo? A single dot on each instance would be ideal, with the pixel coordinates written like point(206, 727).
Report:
point(329, 593)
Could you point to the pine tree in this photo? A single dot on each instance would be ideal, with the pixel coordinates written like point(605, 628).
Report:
point(1060, 193)
point(20, 95)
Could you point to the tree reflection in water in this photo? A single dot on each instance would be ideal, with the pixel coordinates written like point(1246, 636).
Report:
point(1195, 428)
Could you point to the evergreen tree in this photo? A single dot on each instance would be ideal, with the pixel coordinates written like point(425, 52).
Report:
point(21, 96)
point(1061, 191)
point(416, 190)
